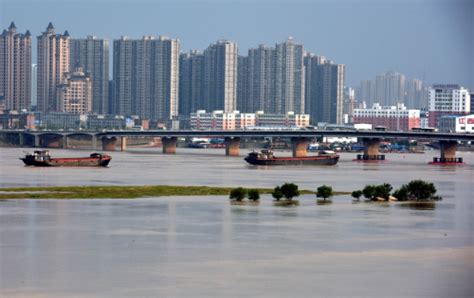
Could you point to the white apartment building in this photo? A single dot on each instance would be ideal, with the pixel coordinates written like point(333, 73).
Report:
point(447, 99)
point(75, 94)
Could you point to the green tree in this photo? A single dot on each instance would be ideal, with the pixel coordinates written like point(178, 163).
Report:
point(277, 194)
point(237, 194)
point(369, 192)
point(421, 190)
point(289, 190)
point(382, 191)
point(253, 195)
point(356, 194)
point(402, 193)
point(324, 192)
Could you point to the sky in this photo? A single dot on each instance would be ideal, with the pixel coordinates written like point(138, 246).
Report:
point(432, 40)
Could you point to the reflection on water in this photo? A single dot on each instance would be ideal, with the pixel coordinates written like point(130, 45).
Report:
point(206, 246)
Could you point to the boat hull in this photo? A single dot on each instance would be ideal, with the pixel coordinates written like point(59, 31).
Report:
point(68, 162)
point(282, 161)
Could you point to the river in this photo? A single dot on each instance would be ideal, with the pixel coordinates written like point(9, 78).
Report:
point(205, 246)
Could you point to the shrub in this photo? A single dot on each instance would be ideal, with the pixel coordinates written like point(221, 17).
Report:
point(369, 192)
point(382, 191)
point(356, 194)
point(237, 194)
point(402, 193)
point(324, 192)
point(289, 190)
point(277, 194)
point(253, 195)
point(421, 190)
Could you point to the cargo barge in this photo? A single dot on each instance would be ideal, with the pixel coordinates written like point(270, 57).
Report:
point(266, 158)
point(42, 158)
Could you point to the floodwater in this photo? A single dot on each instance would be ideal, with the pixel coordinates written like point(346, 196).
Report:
point(205, 246)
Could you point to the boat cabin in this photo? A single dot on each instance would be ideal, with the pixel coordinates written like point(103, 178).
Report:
point(40, 155)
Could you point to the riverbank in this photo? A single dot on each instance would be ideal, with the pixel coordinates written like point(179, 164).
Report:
point(120, 192)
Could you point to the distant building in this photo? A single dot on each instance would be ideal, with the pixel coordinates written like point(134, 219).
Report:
point(393, 117)
point(75, 93)
point(349, 104)
point(459, 124)
point(34, 84)
point(17, 120)
point(146, 77)
point(99, 122)
point(53, 65)
point(92, 55)
point(15, 69)
point(219, 120)
point(191, 75)
point(220, 76)
point(58, 120)
point(390, 88)
point(415, 95)
point(447, 99)
point(325, 90)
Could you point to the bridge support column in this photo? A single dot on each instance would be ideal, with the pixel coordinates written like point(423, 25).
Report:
point(448, 153)
point(108, 144)
point(94, 142)
point(65, 143)
point(37, 141)
point(54, 141)
point(232, 146)
point(169, 145)
point(299, 146)
point(123, 143)
point(21, 139)
point(371, 150)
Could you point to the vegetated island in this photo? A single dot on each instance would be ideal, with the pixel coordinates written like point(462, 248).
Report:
point(121, 192)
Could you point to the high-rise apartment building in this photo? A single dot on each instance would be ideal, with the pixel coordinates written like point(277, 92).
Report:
point(146, 77)
point(325, 90)
point(220, 76)
point(415, 94)
point(53, 64)
point(92, 55)
point(261, 79)
point(289, 78)
point(366, 92)
point(75, 93)
point(34, 84)
point(191, 74)
point(390, 88)
point(15, 69)
point(447, 99)
point(244, 103)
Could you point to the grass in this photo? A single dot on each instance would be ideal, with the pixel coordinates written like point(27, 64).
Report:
point(119, 192)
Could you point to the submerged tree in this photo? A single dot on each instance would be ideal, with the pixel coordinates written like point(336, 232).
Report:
point(289, 190)
point(421, 190)
point(356, 194)
point(369, 192)
point(253, 195)
point(324, 192)
point(277, 194)
point(238, 194)
point(383, 191)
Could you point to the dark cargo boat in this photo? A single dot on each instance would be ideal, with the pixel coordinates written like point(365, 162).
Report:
point(41, 158)
point(266, 158)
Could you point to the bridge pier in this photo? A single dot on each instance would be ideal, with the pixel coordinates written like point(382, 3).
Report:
point(94, 142)
point(448, 153)
point(371, 150)
point(37, 141)
point(299, 146)
point(21, 138)
point(169, 145)
point(52, 141)
point(232, 146)
point(108, 144)
point(123, 143)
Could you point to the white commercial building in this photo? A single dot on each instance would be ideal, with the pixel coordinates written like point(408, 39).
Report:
point(452, 123)
point(447, 100)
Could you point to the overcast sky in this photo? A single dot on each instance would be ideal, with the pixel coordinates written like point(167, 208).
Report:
point(426, 39)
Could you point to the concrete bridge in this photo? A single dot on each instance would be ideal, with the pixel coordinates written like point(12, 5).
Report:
point(299, 139)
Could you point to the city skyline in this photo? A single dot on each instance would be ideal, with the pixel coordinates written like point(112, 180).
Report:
point(369, 37)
